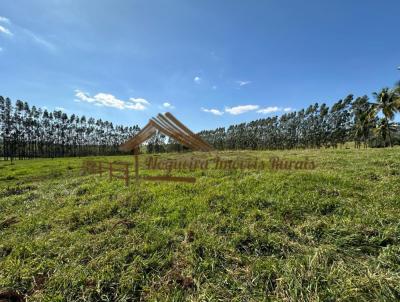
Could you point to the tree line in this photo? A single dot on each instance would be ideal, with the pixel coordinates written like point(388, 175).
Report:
point(31, 132)
point(360, 120)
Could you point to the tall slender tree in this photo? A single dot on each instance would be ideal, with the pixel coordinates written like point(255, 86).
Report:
point(388, 103)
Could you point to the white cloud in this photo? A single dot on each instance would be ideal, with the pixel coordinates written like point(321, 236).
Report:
point(243, 83)
point(213, 111)
point(197, 80)
point(214, 87)
point(4, 20)
point(60, 108)
point(168, 105)
point(134, 105)
point(241, 109)
point(139, 101)
point(272, 109)
point(268, 110)
point(1, 48)
point(5, 31)
point(82, 96)
point(246, 108)
point(108, 100)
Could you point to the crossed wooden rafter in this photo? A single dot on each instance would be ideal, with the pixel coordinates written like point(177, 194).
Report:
point(168, 125)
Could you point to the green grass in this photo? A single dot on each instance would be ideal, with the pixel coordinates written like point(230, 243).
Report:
point(330, 234)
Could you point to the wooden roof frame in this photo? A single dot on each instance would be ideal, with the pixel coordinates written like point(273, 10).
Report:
point(170, 126)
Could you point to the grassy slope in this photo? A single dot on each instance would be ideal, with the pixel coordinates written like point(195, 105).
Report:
point(329, 234)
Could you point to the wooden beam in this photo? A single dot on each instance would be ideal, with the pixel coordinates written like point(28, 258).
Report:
point(170, 178)
point(187, 138)
point(166, 131)
point(136, 154)
point(137, 139)
point(187, 130)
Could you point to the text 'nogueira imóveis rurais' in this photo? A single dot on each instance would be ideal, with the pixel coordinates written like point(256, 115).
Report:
point(218, 163)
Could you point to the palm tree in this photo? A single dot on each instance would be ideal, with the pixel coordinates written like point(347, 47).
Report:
point(388, 102)
point(397, 86)
point(383, 128)
point(397, 92)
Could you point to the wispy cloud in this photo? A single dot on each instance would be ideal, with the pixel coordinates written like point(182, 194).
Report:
point(1, 49)
point(212, 111)
point(139, 101)
point(243, 83)
point(214, 87)
point(197, 80)
point(5, 31)
point(25, 32)
point(40, 40)
point(4, 20)
point(272, 109)
point(168, 105)
point(241, 109)
point(269, 109)
point(236, 110)
point(108, 100)
point(136, 104)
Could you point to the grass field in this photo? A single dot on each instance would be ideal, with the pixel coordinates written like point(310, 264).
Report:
point(329, 234)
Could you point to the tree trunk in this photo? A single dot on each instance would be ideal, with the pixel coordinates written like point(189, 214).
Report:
point(390, 135)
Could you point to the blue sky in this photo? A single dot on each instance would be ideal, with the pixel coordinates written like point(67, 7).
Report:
point(211, 63)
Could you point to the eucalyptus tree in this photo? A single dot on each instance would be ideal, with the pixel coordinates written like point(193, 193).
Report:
point(340, 121)
point(156, 144)
point(2, 125)
point(364, 121)
point(29, 132)
point(7, 126)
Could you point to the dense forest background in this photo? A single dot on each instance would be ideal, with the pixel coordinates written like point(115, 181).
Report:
point(30, 132)
point(357, 120)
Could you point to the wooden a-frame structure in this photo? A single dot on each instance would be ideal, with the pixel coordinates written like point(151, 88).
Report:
point(169, 125)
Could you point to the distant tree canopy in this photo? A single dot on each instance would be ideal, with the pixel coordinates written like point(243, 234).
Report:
point(357, 120)
point(29, 132)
